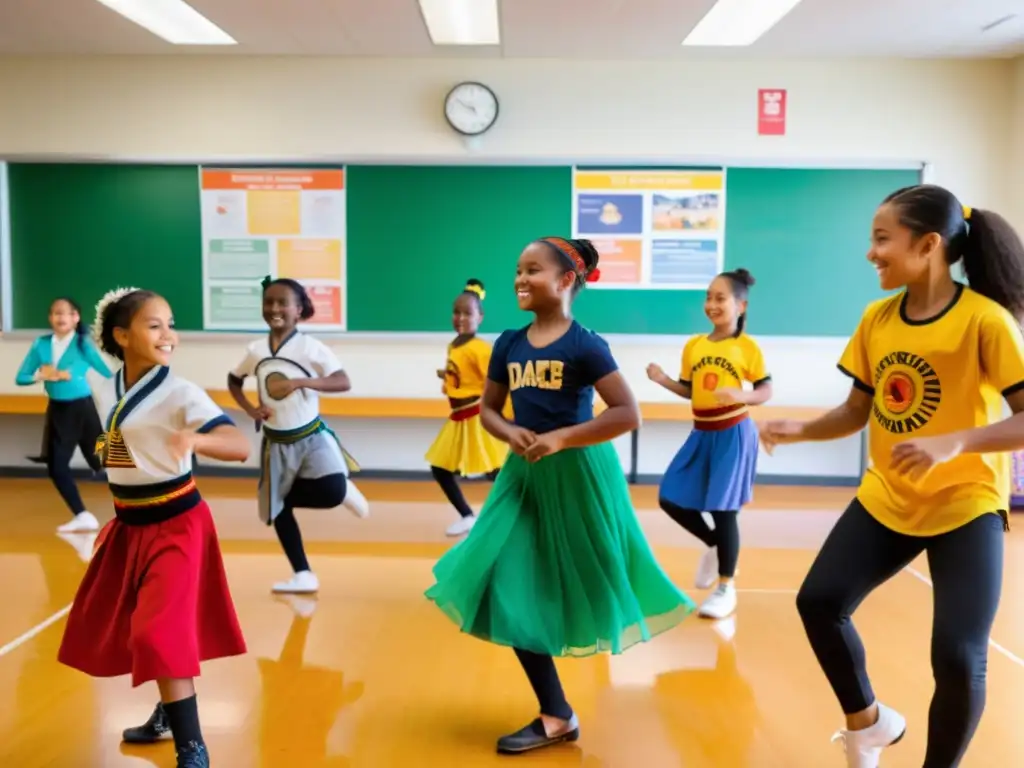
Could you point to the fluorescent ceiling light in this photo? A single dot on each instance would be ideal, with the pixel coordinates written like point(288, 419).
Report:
point(739, 22)
point(174, 20)
point(462, 22)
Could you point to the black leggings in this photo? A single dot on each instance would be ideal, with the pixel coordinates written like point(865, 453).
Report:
point(446, 479)
point(543, 677)
point(966, 567)
point(70, 424)
point(725, 537)
point(319, 493)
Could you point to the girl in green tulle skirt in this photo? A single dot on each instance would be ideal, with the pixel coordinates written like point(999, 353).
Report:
point(557, 564)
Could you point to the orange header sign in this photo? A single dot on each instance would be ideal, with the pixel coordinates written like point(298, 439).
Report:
point(272, 179)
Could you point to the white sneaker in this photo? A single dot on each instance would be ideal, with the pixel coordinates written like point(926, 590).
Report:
point(302, 582)
point(864, 747)
point(83, 522)
point(355, 502)
point(721, 603)
point(461, 526)
point(707, 570)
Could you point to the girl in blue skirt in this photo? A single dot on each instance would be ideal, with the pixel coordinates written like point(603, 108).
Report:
point(714, 470)
point(556, 564)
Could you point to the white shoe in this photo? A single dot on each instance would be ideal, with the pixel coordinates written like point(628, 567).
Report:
point(864, 747)
point(721, 603)
point(461, 526)
point(83, 522)
point(707, 570)
point(302, 582)
point(355, 502)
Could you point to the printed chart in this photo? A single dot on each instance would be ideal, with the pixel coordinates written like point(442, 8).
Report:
point(654, 229)
point(279, 222)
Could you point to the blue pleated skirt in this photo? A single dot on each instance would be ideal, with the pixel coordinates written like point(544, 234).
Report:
point(713, 471)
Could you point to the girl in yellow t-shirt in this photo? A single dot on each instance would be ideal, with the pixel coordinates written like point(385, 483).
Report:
point(930, 367)
point(714, 470)
point(463, 446)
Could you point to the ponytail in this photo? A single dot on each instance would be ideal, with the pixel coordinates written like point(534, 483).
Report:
point(993, 260)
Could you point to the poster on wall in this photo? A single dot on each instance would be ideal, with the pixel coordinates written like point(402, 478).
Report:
point(771, 112)
point(654, 229)
point(279, 222)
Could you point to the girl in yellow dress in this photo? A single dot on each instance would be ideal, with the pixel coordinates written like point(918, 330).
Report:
point(463, 446)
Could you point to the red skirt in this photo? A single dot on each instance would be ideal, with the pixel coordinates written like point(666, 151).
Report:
point(154, 601)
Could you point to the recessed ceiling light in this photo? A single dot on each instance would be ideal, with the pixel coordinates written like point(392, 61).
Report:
point(462, 22)
point(738, 22)
point(175, 21)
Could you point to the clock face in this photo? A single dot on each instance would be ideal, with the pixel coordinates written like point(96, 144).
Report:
point(471, 108)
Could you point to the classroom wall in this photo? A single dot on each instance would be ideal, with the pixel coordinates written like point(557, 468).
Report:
point(1017, 147)
point(956, 115)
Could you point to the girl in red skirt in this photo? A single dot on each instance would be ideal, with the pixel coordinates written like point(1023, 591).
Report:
point(154, 601)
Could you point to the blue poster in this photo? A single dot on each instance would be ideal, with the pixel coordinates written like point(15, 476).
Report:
point(598, 214)
point(684, 261)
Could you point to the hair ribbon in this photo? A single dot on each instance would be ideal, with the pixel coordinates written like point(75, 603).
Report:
point(967, 213)
point(569, 250)
point(477, 289)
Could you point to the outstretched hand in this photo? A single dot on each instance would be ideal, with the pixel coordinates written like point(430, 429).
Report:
point(779, 432)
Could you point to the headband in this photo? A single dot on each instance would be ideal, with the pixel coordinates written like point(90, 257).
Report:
point(967, 213)
point(569, 250)
point(477, 289)
point(110, 297)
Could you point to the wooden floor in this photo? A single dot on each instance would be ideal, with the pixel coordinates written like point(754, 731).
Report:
point(372, 675)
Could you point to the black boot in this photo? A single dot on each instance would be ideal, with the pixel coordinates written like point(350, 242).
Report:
point(157, 728)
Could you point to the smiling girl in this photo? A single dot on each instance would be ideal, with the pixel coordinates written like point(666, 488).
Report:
point(154, 601)
point(557, 564)
point(463, 445)
point(714, 471)
point(61, 360)
point(302, 463)
point(932, 363)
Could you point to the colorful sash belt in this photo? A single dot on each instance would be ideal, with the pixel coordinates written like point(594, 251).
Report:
point(156, 502)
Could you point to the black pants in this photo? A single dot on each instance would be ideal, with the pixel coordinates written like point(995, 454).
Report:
point(450, 485)
point(319, 493)
point(70, 424)
point(966, 567)
point(725, 537)
point(543, 677)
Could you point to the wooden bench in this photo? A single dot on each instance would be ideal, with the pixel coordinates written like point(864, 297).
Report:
point(437, 408)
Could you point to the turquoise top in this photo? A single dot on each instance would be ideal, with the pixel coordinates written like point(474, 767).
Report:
point(80, 355)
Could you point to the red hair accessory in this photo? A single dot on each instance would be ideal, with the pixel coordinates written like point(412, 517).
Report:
point(570, 250)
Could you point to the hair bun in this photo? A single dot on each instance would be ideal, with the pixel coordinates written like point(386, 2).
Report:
point(588, 252)
point(475, 286)
point(743, 276)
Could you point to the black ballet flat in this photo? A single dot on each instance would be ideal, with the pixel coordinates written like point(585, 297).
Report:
point(533, 737)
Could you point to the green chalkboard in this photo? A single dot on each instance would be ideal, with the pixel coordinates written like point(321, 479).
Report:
point(416, 233)
point(81, 230)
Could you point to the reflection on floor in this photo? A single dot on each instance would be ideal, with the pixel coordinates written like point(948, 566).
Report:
point(370, 674)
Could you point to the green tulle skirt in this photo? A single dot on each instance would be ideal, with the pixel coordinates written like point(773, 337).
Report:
point(557, 562)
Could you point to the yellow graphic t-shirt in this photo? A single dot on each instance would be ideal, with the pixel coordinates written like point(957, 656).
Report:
point(723, 364)
point(932, 377)
point(466, 369)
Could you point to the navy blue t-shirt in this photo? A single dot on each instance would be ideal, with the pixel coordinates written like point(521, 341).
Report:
point(553, 386)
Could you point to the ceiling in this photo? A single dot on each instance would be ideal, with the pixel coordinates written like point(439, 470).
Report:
point(575, 29)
